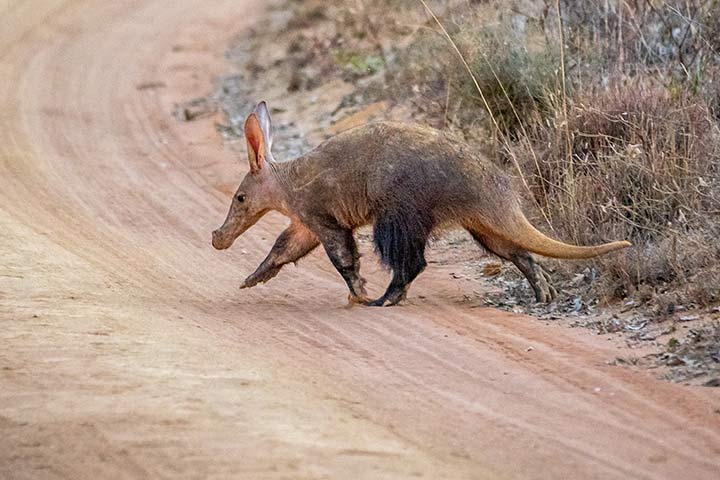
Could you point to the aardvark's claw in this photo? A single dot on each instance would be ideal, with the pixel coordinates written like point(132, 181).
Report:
point(250, 282)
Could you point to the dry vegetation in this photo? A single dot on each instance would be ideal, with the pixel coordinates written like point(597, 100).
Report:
point(606, 111)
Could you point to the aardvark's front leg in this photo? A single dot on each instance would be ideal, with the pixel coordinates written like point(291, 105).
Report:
point(340, 246)
point(292, 244)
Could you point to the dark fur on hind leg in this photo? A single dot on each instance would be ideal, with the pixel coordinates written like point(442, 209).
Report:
point(400, 241)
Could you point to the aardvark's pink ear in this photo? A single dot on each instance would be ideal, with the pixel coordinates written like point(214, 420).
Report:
point(263, 114)
point(256, 147)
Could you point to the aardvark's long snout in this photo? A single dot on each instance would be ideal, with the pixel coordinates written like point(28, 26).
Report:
point(220, 240)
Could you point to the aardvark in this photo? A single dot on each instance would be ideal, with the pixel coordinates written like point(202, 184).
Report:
point(405, 180)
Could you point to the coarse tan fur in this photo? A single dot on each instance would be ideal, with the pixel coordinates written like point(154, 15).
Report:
point(406, 180)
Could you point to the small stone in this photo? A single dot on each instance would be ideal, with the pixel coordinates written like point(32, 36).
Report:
point(715, 382)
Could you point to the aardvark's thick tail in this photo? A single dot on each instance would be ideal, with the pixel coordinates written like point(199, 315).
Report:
point(522, 233)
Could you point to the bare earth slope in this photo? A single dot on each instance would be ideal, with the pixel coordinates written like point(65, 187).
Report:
point(127, 351)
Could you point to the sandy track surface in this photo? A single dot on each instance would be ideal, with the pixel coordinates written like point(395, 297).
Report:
point(127, 350)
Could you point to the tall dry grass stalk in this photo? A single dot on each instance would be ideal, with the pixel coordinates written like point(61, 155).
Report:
point(570, 179)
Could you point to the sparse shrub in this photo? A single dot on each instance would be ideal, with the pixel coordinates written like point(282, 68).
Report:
point(515, 80)
point(516, 75)
point(633, 161)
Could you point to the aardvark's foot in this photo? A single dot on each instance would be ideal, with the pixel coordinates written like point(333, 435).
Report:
point(260, 276)
point(357, 300)
point(544, 291)
point(388, 300)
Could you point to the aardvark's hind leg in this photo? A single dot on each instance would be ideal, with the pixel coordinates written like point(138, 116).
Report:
point(400, 240)
point(536, 276)
point(292, 244)
point(534, 273)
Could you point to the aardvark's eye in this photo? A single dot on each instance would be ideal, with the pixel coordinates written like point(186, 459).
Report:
point(241, 198)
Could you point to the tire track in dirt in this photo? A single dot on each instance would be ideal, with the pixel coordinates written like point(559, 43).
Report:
point(161, 367)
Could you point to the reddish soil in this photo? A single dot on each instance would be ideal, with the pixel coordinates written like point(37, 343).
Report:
point(129, 352)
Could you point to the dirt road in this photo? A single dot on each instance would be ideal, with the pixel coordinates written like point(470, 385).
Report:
point(127, 350)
